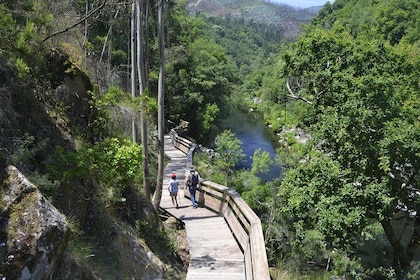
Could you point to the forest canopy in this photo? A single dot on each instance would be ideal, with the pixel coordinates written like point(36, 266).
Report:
point(356, 68)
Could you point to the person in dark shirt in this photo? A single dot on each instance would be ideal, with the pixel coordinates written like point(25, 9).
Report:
point(192, 179)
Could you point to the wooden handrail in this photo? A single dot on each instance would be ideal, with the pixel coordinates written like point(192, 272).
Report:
point(243, 222)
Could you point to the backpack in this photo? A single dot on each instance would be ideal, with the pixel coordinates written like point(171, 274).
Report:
point(194, 178)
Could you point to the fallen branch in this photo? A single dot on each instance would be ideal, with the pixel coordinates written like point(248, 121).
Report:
point(294, 96)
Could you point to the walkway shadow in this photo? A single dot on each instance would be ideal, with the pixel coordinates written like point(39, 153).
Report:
point(204, 261)
point(198, 218)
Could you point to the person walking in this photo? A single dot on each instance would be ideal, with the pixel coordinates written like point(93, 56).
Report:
point(173, 190)
point(191, 181)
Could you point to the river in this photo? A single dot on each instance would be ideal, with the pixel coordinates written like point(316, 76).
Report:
point(249, 128)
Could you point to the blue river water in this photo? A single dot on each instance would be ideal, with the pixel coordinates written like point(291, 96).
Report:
point(250, 129)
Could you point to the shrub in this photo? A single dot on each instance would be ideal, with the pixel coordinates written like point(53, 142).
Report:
point(115, 163)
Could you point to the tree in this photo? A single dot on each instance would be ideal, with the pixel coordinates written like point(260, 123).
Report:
point(261, 162)
point(138, 83)
point(142, 7)
point(161, 109)
point(230, 152)
point(366, 132)
point(200, 75)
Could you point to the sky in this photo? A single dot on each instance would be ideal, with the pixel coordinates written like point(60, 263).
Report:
point(303, 3)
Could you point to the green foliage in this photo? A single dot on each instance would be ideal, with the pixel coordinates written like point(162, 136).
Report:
point(81, 249)
point(115, 163)
point(25, 37)
point(210, 78)
point(48, 187)
point(209, 116)
point(414, 272)
point(360, 76)
point(391, 20)
point(119, 57)
point(107, 37)
point(111, 97)
point(23, 68)
point(356, 109)
point(364, 125)
point(8, 30)
point(200, 75)
point(248, 42)
point(160, 238)
point(313, 196)
point(261, 162)
point(24, 153)
point(257, 197)
point(242, 181)
point(284, 271)
point(106, 122)
point(24, 150)
point(229, 151)
point(290, 151)
point(23, 24)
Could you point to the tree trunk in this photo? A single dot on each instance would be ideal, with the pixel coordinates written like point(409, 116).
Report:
point(134, 88)
point(85, 33)
point(414, 243)
point(141, 79)
point(146, 11)
point(161, 108)
point(402, 260)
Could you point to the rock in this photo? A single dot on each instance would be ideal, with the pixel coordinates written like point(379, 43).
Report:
point(171, 222)
point(33, 232)
point(139, 259)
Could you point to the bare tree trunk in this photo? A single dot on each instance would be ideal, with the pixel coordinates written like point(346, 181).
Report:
point(146, 43)
point(161, 122)
point(140, 49)
point(141, 79)
point(86, 26)
point(108, 34)
point(134, 88)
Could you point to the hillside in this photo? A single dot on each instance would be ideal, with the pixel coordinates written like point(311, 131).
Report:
point(68, 207)
point(282, 16)
point(66, 222)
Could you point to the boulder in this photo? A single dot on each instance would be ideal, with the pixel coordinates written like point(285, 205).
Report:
point(33, 233)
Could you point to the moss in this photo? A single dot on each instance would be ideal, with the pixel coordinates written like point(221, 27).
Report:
point(24, 225)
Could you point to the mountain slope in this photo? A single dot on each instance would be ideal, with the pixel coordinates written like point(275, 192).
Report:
point(283, 16)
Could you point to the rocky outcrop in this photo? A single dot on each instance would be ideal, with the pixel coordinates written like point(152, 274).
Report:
point(70, 88)
point(33, 233)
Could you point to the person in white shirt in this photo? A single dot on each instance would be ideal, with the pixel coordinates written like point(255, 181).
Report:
point(173, 189)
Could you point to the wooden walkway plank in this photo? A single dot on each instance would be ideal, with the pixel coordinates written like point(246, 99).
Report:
point(214, 251)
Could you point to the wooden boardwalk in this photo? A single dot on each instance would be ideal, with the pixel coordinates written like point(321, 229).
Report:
point(214, 251)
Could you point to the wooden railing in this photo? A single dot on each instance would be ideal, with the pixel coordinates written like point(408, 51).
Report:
point(181, 143)
point(243, 222)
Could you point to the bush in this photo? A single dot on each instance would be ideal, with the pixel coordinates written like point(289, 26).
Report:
point(22, 67)
point(115, 163)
